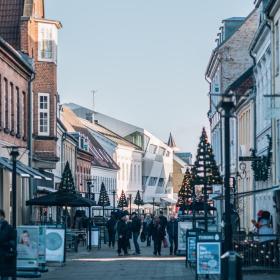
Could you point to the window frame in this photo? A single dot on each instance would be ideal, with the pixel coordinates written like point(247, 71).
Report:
point(42, 27)
point(44, 111)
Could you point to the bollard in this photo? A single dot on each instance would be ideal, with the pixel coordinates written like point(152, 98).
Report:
point(231, 266)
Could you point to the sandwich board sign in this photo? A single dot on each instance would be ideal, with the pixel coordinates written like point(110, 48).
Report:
point(208, 249)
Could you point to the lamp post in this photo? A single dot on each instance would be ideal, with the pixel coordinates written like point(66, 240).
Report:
point(14, 154)
point(89, 215)
point(153, 206)
point(114, 200)
point(227, 105)
point(230, 260)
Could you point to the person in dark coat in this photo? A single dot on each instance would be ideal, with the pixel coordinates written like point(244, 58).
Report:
point(7, 248)
point(122, 235)
point(158, 234)
point(135, 228)
point(147, 228)
point(163, 219)
point(172, 230)
point(129, 233)
point(111, 226)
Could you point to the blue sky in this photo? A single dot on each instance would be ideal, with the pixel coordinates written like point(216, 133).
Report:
point(145, 58)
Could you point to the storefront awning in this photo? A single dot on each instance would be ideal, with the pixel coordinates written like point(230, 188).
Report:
point(248, 193)
point(22, 169)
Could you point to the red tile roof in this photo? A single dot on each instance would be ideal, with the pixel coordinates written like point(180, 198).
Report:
point(10, 15)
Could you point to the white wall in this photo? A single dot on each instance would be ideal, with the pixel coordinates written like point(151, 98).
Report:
point(108, 177)
point(129, 176)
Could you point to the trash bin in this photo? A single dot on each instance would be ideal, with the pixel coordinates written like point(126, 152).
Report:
point(231, 266)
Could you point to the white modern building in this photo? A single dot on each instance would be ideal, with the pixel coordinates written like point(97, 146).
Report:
point(157, 164)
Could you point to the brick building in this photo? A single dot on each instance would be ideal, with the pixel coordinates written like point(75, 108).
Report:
point(24, 26)
point(15, 77)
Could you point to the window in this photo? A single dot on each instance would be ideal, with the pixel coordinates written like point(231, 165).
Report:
point(160, 182)
point(6, 104)
point(24, 114)
point(145, 179)
point(277, 47)
point(47, 38)
point(12, 108)
point(18, 111)
point(153, 181)
point(152, 149)
point(43, 109)
point(161, 151)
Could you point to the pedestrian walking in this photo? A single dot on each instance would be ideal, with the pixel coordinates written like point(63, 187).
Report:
point(111, 227)
point(122, 235)
point(129, 233)
point(158, 234)
point(135, 228)
point(147, 228)
point(172, 230)
point(163, 219)
point(7, 248)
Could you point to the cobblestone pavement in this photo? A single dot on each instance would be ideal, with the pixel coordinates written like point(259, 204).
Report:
point(104, 264)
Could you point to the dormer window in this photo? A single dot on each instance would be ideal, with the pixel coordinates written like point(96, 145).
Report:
point(47, 42)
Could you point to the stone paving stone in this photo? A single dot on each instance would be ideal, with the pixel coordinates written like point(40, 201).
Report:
point(105, 264)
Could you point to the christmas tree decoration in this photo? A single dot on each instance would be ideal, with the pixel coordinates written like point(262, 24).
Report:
point(67, 182)
point(185, 192)
point(103, 197)
point(122, 201)
point(138, 200)
point(205, 174)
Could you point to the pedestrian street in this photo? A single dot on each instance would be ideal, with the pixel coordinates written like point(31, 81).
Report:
point(106, 265)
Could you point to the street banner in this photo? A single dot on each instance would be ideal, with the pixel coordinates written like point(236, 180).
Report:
point(27, 247)
point(208, 253)
point(182, 230)
point(55, 244)
point(42, 245)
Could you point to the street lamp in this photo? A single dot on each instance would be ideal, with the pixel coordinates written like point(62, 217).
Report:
point(114, 200)
point(89, 215)
point(231, 269)
point(153, 206)
point(14, 154)
point(227, 105)
point(130, 199)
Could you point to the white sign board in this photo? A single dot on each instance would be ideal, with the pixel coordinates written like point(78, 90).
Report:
point(94, 237)
point(27, 247)
point(182, 230)
point(55, 244)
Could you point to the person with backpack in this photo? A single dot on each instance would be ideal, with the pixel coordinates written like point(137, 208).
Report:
point(7, 248)
point(135, 228)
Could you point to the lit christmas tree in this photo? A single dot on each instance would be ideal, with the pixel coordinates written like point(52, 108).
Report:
point(205, 175)
point(185, 192)
point(67, 182)
point(122, 201)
